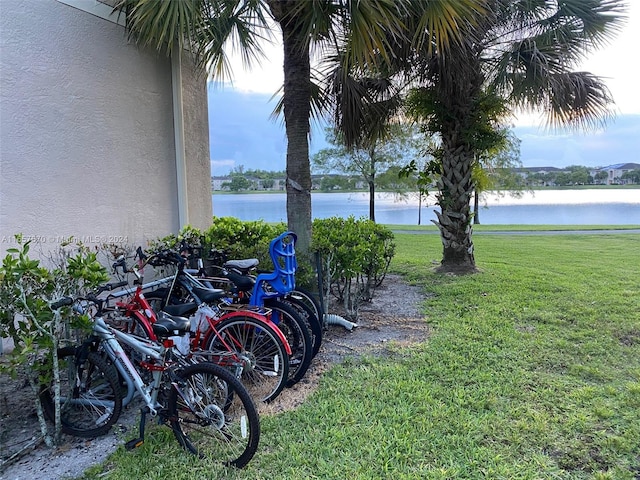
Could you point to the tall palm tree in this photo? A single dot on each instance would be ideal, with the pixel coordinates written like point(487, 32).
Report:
point(522, 51)
point(212, 29)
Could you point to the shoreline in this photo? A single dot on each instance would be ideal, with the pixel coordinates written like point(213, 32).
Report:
point(534, 189)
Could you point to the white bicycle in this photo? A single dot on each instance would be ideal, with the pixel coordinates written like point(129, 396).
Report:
point(209, 410)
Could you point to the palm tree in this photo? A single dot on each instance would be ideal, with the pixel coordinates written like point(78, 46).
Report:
point(524, 51)
point(521, 51)
point(211, 29)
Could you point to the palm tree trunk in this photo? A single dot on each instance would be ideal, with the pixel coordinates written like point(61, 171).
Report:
point(476, 208)
point(297, 110)
point(459, 84)
point(454, 219)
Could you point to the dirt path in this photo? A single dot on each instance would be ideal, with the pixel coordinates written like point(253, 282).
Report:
point(392, 317)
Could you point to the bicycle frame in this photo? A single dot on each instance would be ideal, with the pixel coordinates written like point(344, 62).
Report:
point(214, 314)
point(140, 310)
point(111, 339)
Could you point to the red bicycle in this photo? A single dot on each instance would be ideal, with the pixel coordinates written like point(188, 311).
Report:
point(243, 340)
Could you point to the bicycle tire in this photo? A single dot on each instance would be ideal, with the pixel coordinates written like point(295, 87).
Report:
point(266, 362)
point(213, 416)
point(311, 301)
point(295, 330)
point(91, 397)
point(310, 318)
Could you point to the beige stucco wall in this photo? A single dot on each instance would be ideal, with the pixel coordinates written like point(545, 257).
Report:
point(196, 131)
point(87, 133)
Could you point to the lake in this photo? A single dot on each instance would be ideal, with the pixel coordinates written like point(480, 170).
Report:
point(542, 207)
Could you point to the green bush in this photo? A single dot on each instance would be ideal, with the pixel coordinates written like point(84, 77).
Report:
point(27, 290)
point(355, 258)
point(355, 253)
point(191, 235)
point(233, 238)
point(242, 239)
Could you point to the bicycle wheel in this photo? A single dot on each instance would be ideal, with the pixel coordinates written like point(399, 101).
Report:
point(297, 333)
point(90, 395)
point(264, 359)
point(213, 416)
point(310, 318)
point(311, 301)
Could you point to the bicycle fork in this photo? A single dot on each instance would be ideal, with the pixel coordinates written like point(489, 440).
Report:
point(124, 366)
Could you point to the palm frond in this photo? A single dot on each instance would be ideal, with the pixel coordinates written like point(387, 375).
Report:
point(163, 26)
point(233, 26)
point(437, 24)
point(578, 100)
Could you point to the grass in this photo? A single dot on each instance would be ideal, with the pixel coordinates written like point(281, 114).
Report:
point(515, 228)
point(532, 372)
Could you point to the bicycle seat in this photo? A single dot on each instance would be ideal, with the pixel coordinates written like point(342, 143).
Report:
point(243, 266)
point(168, 325)
point(244, 283)
point(208, 295)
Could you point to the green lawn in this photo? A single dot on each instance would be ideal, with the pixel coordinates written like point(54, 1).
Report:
point(532, 372)
point(516, 228)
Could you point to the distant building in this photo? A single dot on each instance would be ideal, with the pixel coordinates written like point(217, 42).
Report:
point(544, 175)
point(615, 172)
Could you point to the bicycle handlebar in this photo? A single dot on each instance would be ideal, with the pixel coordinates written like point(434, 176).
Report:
point(92, 297)
point(63, 302)
point(165, 257)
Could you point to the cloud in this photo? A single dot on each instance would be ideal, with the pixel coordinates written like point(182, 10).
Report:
point(242, 131)
point(616, 143)
point(222, 167)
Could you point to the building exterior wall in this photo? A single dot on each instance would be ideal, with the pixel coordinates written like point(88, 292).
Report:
point(86, 131)
point(196, 126)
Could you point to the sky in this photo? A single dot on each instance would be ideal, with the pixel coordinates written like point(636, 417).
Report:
point(243, 134)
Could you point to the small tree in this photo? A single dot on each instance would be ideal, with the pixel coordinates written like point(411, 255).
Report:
point(494, 168)
point(579, 175)
point(379, 155)
point(237, 183)
point(27, 292)
point(601, 177)
point(632, 175)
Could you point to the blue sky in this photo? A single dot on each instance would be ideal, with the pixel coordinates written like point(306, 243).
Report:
point(242, 132)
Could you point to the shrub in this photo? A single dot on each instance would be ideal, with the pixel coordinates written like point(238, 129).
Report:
point(355, 258)
point(242, 239)
point(27, 291)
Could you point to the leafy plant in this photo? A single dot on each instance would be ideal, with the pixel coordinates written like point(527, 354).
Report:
point(192, 236)
point(27, 292)
point(355, 258)
point(242, 239)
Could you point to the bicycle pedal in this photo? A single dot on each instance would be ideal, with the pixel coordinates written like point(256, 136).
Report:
point(135, 443)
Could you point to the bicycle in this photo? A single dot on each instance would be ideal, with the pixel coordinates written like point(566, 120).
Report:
point(244, 341)
point(275, 289)
point(267, 290)
point(209, 411)
point(243, 276)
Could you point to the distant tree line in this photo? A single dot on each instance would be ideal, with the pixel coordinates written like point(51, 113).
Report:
point(241, 179)
point(388, 179)
point(578, 175)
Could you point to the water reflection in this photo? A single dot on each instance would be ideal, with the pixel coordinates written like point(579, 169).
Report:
point(551, 207)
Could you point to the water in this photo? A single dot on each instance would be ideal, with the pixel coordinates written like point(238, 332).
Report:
point(545, 207)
